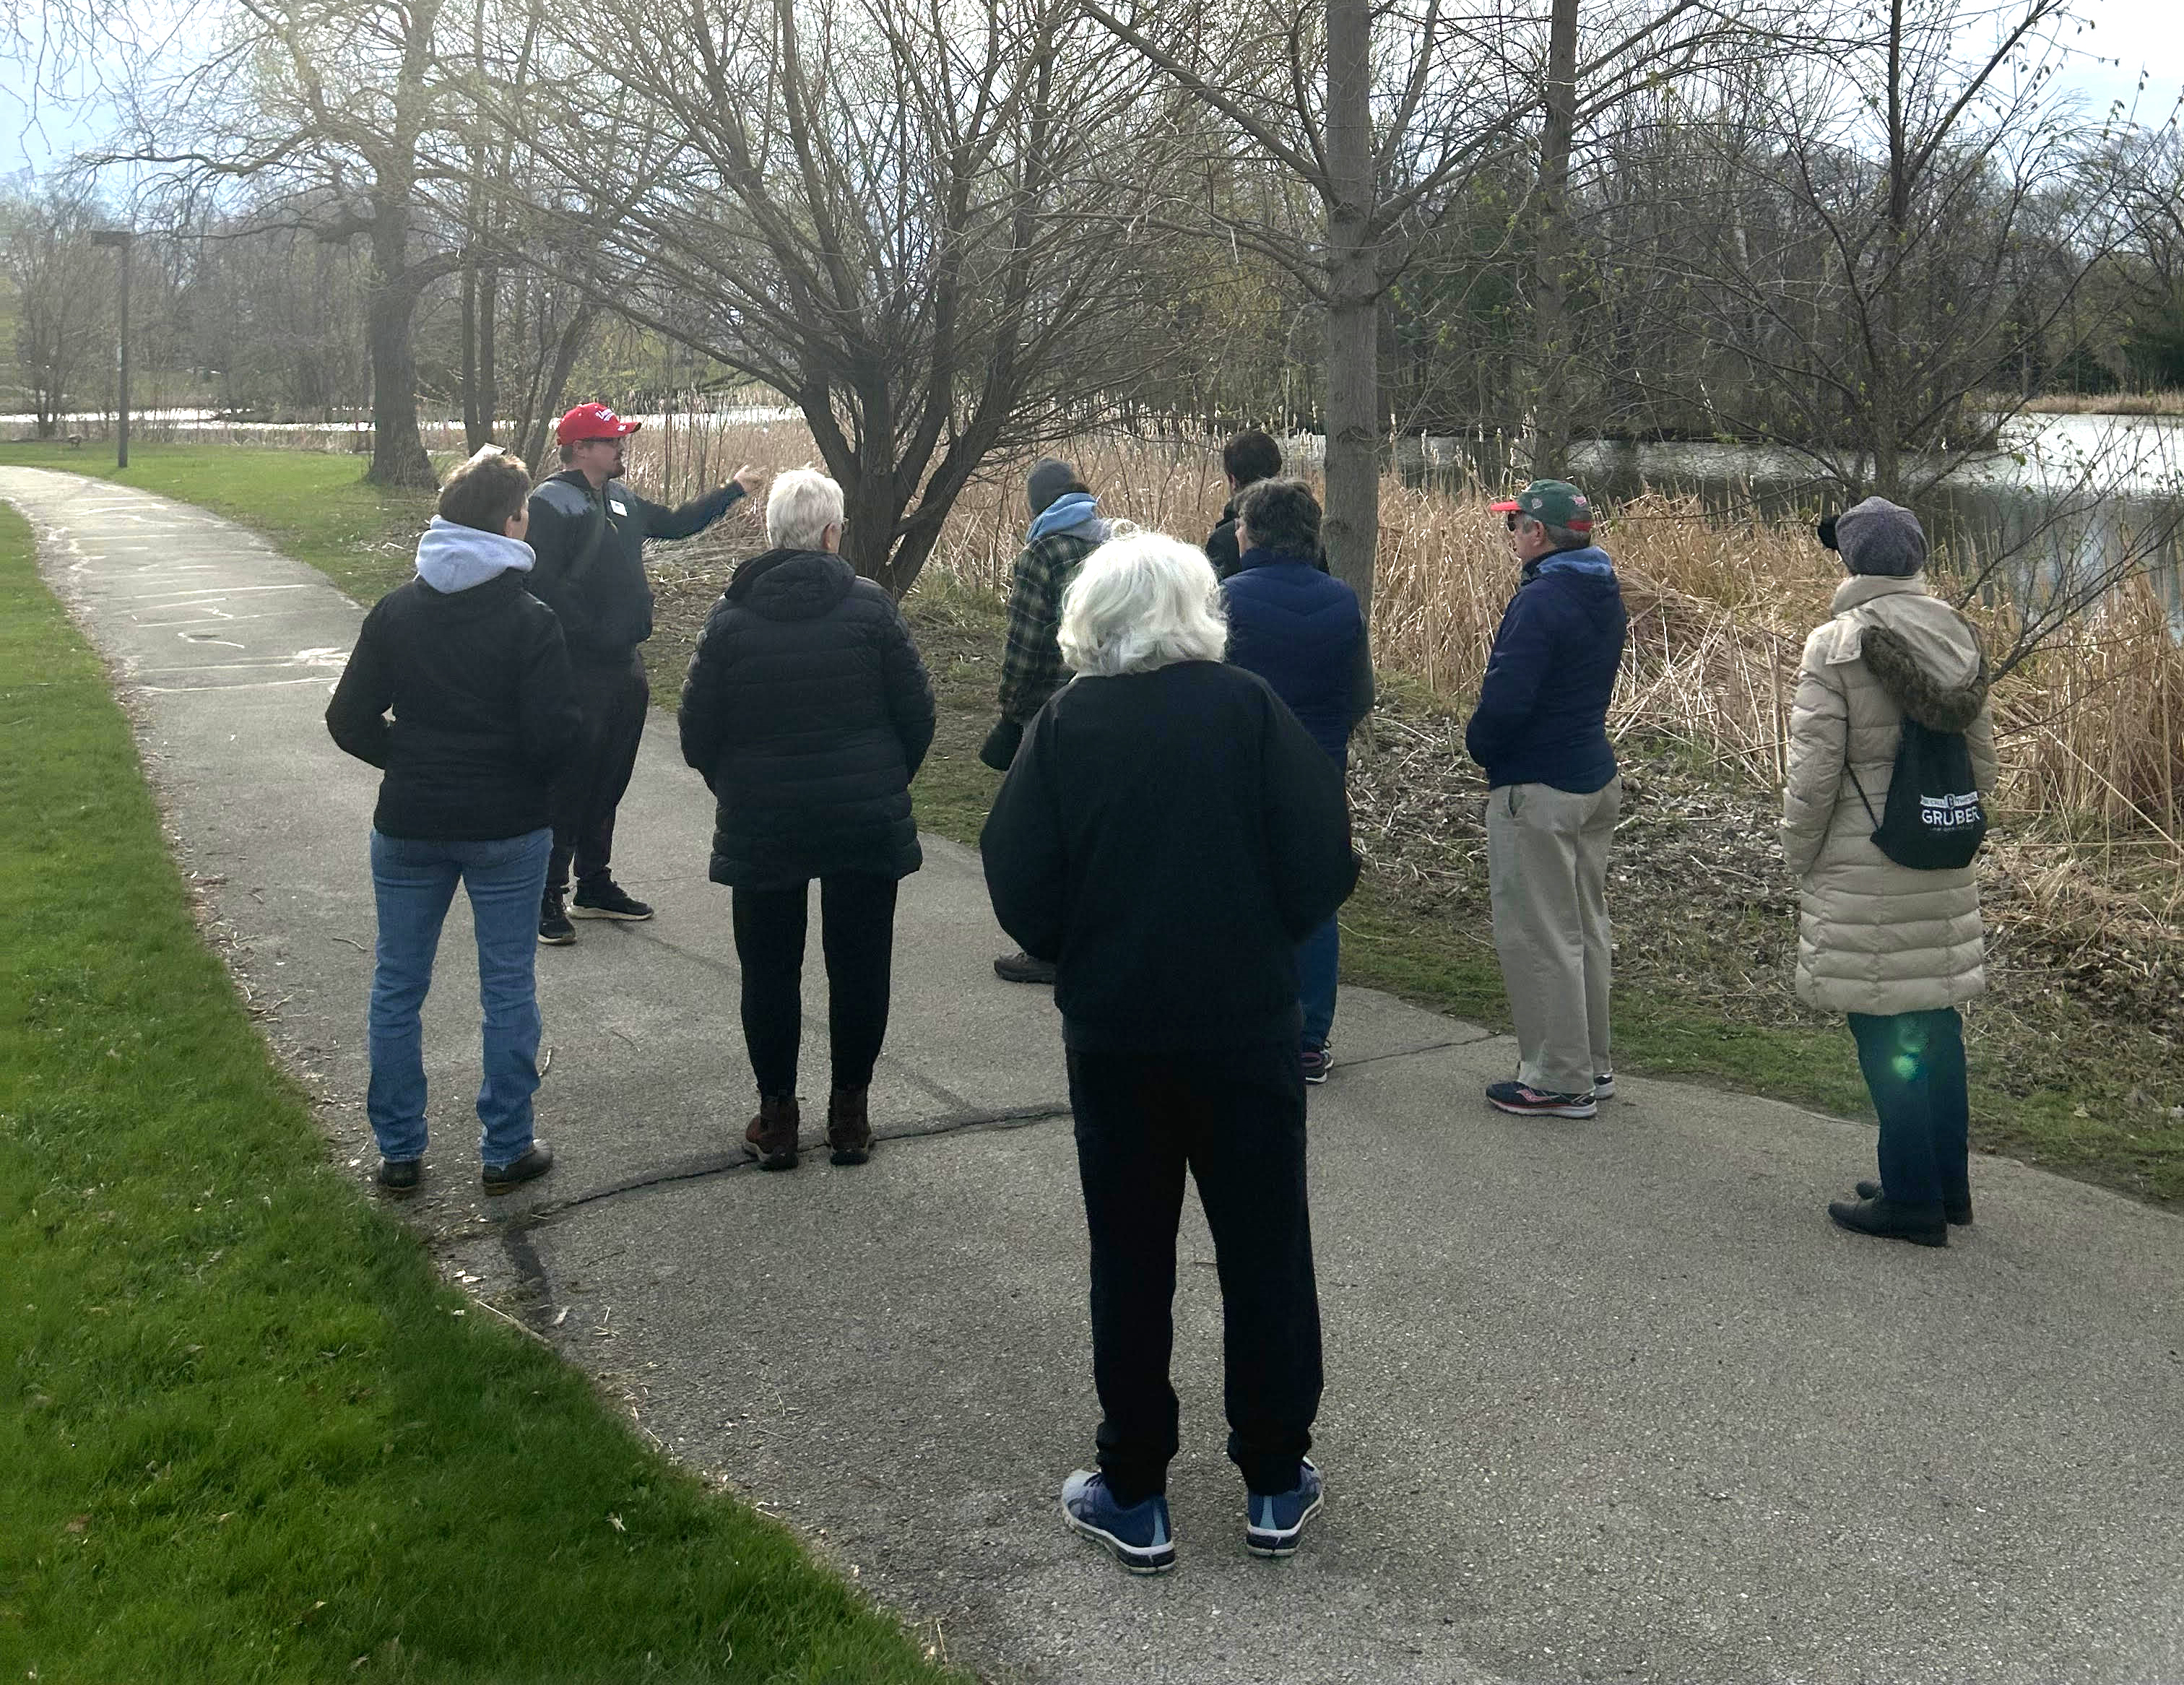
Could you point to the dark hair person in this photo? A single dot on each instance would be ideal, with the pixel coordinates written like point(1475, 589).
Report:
point(808, 711)
point(1246, 459)
point(1898, 948)
point(1177, 986)
point(474, 674)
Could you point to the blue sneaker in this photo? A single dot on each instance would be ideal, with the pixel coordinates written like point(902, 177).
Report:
point(1272, 1523)
point(1139, 1535)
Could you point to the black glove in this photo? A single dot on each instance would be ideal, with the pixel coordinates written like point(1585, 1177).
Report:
point(999, 750)
point(1826, 530)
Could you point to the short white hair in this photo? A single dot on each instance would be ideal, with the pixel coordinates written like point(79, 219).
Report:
point(802, 505)
point(1142, 601)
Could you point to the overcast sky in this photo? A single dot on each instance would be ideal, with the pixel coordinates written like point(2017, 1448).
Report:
point(2128, 39)
point(2147, 35)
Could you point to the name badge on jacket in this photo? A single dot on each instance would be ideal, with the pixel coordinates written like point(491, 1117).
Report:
point(618, 508)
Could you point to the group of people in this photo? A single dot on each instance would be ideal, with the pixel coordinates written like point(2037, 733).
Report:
point(1170, 847)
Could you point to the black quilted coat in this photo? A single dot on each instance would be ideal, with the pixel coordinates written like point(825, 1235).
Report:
point(808, 711)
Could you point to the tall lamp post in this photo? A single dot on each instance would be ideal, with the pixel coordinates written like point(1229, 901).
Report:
point(120, 238)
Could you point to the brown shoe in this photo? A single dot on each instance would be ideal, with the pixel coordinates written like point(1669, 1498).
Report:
point(849, 1130)
point(771, 1137)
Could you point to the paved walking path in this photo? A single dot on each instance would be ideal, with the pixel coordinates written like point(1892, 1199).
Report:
point(1606, 1401)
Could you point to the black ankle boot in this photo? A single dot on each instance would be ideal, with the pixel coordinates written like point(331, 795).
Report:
point(1956, 1211)
point(1920, 1225)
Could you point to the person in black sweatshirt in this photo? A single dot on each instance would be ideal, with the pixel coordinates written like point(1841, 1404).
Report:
point(475, 673)
point(590, 530)
point(1166, 836)
point(1246, 459)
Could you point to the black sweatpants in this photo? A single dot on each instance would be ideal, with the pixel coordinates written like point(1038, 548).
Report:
point(856, 934)
point(1236, 1119)
point(614, 699)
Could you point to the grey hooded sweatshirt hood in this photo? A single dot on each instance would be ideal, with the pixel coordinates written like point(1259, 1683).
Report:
point(452, 557)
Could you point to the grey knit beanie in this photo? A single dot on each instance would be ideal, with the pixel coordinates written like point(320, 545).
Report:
point(1051, 476)
point(1882, 537)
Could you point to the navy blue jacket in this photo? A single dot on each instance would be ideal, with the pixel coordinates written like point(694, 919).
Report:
point(1301, 631)
point(1542, 713)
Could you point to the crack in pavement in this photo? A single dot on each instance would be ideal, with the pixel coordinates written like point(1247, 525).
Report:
point(964, 1122)
point(516, 1231)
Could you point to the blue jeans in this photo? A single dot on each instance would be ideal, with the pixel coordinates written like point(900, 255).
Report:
point(414, 882)
point(1914, 1065)
point(1318, 957)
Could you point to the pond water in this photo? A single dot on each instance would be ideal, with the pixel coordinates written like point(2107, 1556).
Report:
point(2075, 497)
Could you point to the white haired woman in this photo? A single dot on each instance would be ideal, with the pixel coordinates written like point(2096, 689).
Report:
point(808, 711)
point(1177, 980)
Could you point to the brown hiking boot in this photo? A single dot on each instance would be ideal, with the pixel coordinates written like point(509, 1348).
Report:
point(771, 1137)
point(849, 1130)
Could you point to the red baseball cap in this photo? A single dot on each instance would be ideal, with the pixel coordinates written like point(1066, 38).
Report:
point(590, 421)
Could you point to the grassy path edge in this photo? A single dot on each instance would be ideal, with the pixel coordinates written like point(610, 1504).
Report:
point(251, 1434)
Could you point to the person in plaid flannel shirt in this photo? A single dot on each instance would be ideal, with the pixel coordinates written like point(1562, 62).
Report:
point(1065, 527)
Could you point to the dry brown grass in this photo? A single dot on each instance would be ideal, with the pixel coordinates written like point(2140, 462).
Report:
point(2105, 403)
point(2091, 730)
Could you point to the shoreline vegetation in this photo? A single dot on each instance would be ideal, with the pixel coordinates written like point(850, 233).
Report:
point(443, 434)
point(2078, 1048)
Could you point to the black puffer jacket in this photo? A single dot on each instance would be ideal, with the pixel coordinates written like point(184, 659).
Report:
point(808, 711)
point(484, 709)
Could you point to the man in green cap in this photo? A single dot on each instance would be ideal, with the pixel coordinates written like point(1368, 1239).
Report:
point(1540, 731)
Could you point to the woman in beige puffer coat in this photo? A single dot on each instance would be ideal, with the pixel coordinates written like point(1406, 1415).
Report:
point(1898, 949)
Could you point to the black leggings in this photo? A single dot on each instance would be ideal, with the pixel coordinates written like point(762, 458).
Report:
point(856, 934)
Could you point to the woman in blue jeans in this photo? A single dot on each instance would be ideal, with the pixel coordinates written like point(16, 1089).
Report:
point(473, 670)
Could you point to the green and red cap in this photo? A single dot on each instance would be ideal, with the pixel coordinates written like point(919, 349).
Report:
point(590, 421)
point(1553, 502)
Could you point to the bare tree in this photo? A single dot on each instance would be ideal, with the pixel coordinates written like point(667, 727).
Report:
point(327, 108)
point(2150, 174)
point(1383, 112)
point(917, 220)
point(63, 298)
point(1863, 253)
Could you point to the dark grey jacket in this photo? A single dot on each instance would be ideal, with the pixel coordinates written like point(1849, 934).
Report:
point(591, 559)
point(808, 711)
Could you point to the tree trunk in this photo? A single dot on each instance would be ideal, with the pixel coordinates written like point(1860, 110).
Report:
point(488, 350)
point(566, 352)
point(1883, 409)
point(397, 450)
point(1547, 395)
point(1352, 529)
point(474, 433)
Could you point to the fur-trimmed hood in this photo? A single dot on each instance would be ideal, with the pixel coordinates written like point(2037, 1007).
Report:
point(1922, 651)
point(1936, 705)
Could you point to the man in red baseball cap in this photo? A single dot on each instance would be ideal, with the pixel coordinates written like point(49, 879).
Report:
point(589, 532)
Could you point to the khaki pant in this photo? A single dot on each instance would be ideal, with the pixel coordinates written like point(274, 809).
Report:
point(1546, 862)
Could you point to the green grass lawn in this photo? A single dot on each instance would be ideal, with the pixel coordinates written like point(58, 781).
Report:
point(313, 505)
point(245, 1432)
